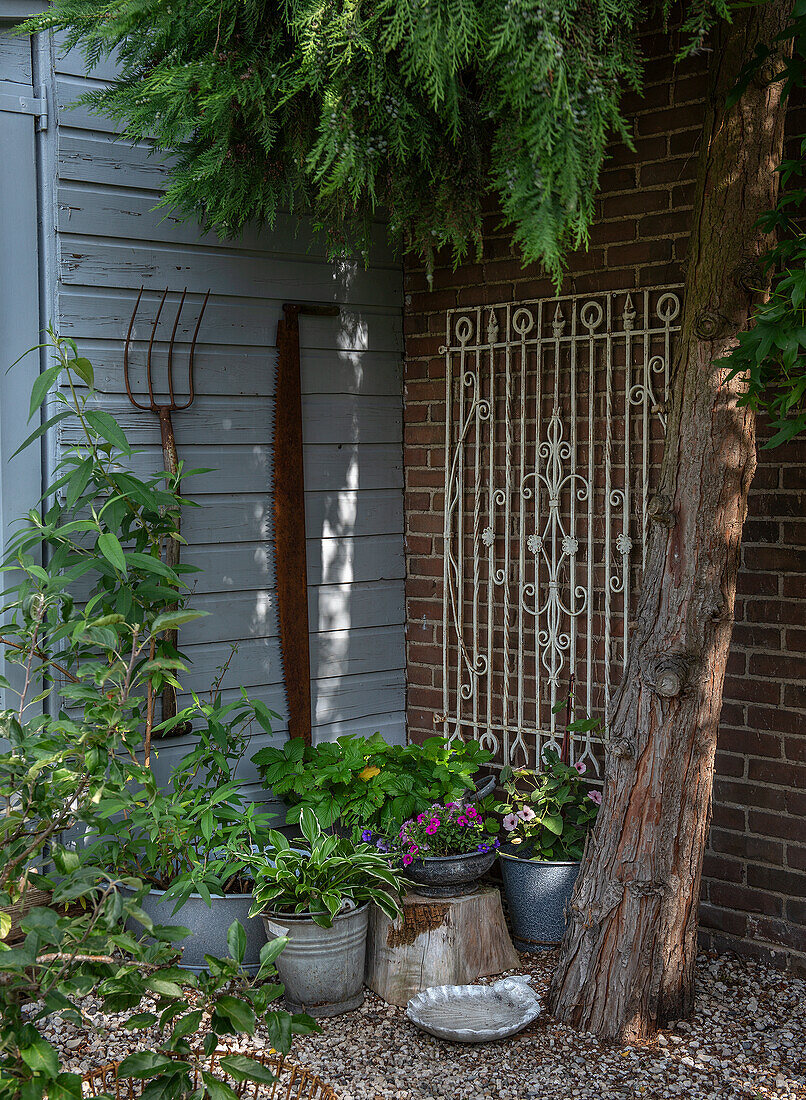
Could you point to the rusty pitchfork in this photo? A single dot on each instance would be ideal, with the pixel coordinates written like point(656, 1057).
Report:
point(163, 412)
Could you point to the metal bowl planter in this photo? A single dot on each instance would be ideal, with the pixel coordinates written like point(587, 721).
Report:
point(475, 1013)
point(322, 969)
point(208, 925)
point(292, 1082)
point(485, 785)
point(537, 895)
point(449, 876)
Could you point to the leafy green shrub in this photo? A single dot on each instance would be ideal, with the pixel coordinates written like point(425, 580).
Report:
point(366, 781)
point(180, 838)
point(320, 874)
point(70, 761)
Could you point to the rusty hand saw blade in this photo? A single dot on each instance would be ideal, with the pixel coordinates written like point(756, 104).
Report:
point(289, 518)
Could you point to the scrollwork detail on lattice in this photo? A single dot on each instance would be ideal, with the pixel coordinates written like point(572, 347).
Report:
point(645, 392)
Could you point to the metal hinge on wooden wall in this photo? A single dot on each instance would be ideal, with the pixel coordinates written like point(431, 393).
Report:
point(11, 100)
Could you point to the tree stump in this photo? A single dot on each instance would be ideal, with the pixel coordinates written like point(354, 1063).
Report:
point(438, 941)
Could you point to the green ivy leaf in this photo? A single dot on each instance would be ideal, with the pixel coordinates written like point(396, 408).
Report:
point(236, 941)
point(83, 368)
point(217, 1089)
point(170, 620)
point(41, 1057)
point(111, 549)
point(238, 1012)
point(41, 387)
point(242, 1068)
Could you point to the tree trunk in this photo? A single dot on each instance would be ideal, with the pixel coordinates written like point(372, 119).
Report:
point(627, 960)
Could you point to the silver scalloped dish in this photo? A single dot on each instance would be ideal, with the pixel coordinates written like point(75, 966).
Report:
point(475, 1013)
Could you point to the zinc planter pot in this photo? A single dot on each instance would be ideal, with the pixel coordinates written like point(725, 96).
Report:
point(322, 969)
point(208, 926)
point(485, 785)
point(537, 894)
point(449, 876)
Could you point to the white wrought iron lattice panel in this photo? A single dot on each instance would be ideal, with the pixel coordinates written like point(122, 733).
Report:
point(555, 410)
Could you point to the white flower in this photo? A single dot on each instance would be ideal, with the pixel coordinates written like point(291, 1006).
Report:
point(510, 822)
point(526, 813)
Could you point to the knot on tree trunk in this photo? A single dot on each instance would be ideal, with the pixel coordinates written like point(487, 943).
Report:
point(622, 748)
point(749, 275)
point(669, 674)
point(648, 888)
point(659, 510)
point(709, 324)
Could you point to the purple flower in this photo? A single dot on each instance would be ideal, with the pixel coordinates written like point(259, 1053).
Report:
point(594, 796)
point(462, 820)
point(407, 860)
point(483, 848)
point(381, 845)
point(421, 819)
point(496, 843)
point(366, 836)
point(431, 828)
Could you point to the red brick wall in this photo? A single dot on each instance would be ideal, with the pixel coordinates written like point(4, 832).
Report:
point(754, 894)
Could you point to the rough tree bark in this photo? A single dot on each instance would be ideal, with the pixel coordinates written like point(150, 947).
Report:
point(627, 960)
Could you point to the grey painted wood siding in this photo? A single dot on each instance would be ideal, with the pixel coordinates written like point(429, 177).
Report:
point(110, 242)
point(20, 477)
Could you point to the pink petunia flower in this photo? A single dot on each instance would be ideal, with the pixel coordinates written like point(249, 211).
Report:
point(472, 812)
point(526, 813)
point(421, 818)
point(431, 829)
point(510, 822)
point(462, 820)
point(407, 860)
point(581, 767)
point(435, 822)
point(594, 796)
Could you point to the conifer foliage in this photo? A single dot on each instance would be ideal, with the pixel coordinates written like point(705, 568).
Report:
point(416, 110)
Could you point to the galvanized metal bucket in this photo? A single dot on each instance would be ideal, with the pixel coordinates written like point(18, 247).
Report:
point(537, 896)
point(322, 969)
point(208, 926)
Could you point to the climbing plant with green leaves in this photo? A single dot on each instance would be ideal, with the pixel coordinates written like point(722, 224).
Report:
point(772, 353)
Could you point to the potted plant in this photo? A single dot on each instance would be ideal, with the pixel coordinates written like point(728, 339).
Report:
point(180, 838)
point(318, 895)
point(367, 782)
point(548, 814)
point(444, 850)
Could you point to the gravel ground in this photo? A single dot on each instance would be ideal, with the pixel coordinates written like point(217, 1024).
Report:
point(746, 1040)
